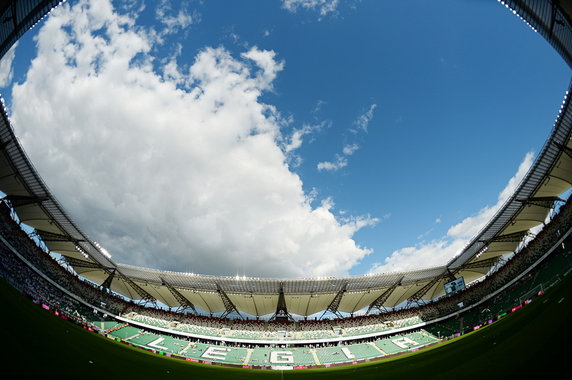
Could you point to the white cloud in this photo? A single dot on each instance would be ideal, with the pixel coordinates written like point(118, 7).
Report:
point(362, 122)
point(350, 149)
point(173, 20)
point(190, 178)
point(172, 71)
point(296, 138)
point(440, 251)
point(470, 226)
point(6, 68)
point(339, 162)
point(426, 255)
point(323, 7)
point(319, 105)
point(268, 67)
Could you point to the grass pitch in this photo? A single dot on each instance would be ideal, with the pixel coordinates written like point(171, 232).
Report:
point(533, 341)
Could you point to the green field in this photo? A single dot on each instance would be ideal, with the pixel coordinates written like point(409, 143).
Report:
point(533, 341)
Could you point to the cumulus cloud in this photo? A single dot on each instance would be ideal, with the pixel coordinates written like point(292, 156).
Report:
point(349, 149)
point(362, 122)
point(294, 141)
point(341, 160)
point(439, 251)
point(323, 7)
point(297, 137)
point(470, 226)
point(6, 68)
point(190, 178)
point(172, 20)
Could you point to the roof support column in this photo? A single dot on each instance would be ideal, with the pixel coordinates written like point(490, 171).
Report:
point(107, 283)
point(379, 301)
point(183, 301)
point(335, 304)
point(415, 298)
point(281, 313)
point(146, 297)
point(228, 305)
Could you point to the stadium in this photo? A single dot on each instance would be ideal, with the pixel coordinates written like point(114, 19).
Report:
point(219, 321)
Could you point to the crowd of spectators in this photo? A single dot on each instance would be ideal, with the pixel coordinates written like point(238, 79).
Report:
point(46, 281)
point(505, 274)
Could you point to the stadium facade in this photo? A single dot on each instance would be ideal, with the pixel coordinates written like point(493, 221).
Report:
point(549, 177)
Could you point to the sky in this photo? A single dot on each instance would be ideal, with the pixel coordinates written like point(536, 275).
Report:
point(289, 139)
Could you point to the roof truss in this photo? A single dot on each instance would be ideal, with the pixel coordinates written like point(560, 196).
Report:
point(379, 301)
point(281, 313)
point(183, 301)
point(228, 305)
point(335, 304)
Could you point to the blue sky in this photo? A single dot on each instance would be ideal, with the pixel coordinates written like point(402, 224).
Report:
point(283, 138)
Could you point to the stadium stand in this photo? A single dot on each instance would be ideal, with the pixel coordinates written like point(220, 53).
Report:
point(508, 284)
point(162, 331)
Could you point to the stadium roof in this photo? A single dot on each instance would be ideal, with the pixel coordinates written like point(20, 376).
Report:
point(547, 179)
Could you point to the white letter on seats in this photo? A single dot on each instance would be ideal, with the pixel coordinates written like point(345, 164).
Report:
point(405, 342)
point(281, 357)
point(348, 353)
point(215, 353)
